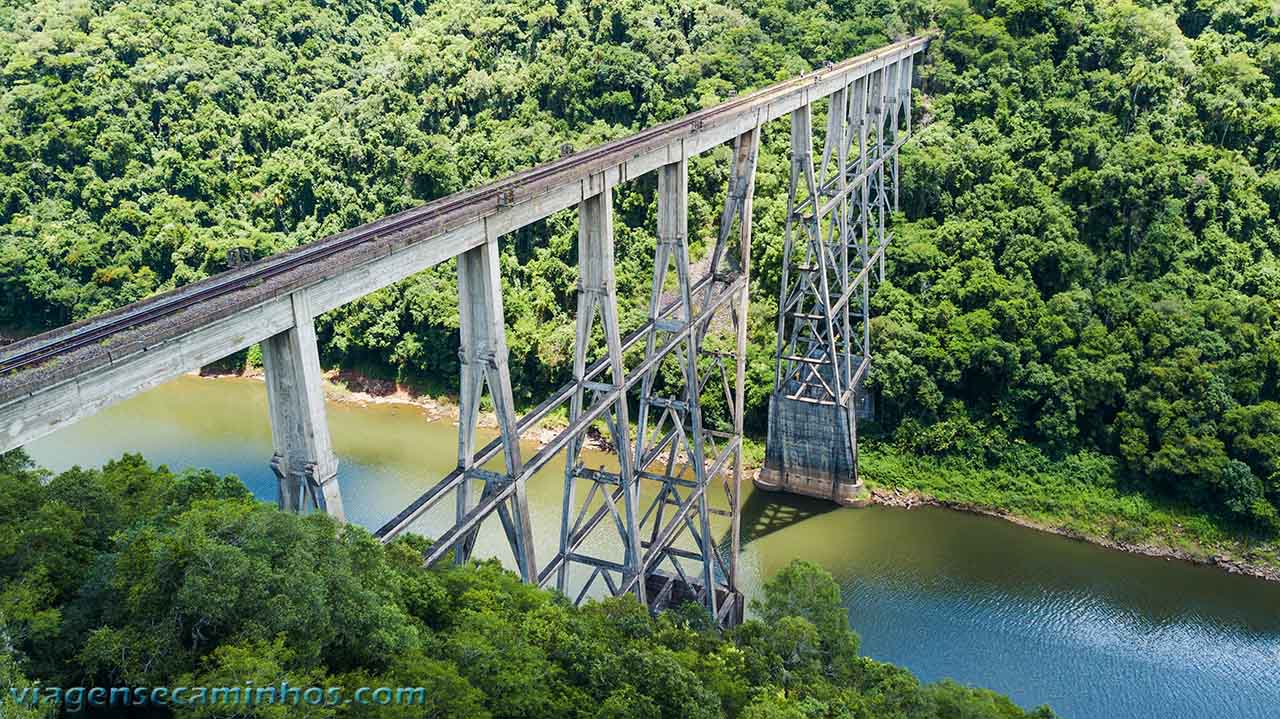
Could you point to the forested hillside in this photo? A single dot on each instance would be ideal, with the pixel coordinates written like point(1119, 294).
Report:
point(1091, 259)
point(131, 576)
point(1084, 271)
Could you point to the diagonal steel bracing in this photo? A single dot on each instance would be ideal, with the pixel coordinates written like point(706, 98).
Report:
point(597, 291)
point(483, 359)
point(647, 523)
point(673, 421)
point(837, 234)
point(645, 527)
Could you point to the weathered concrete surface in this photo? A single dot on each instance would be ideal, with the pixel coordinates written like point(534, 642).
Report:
point(811, 450)
point(305, 465)
point(484, 359)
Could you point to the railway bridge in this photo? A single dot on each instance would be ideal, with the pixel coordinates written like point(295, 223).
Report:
point(644, 526)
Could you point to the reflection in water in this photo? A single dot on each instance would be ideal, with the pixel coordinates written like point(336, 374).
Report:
point(1094, 633)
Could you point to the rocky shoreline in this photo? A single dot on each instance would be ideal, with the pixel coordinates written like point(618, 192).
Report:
point(910, 499)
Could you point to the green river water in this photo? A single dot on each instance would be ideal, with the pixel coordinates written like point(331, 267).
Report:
point(1092, 632)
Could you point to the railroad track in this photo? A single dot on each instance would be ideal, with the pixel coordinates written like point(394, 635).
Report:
point(37, 350)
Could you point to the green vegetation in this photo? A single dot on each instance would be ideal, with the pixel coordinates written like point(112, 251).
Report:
point(132, 576)
point(1081, 324)
point(1084, 270)
point(1082, 494)
point(1091, 262)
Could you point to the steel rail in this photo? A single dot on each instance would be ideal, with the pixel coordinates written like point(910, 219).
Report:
point(41, 348)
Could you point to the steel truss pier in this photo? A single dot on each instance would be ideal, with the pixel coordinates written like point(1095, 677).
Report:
point(838, 210)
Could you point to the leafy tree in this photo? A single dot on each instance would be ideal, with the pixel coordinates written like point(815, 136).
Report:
point(201, 586)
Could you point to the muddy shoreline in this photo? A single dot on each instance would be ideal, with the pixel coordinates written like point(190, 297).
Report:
point(356, 389)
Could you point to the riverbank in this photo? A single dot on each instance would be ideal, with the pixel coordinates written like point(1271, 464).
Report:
point(947, 593)
point(1079, 498)
point(910, 499)
point(354, 388)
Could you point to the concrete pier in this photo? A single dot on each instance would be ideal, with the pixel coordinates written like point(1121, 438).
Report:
point(304, 463)
point(812, 449)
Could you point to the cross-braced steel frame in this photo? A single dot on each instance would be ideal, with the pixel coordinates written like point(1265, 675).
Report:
point(837, 233)
point(652, 515)
point(669, 396)
point(660, 502)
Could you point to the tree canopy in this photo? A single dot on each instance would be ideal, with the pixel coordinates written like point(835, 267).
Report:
point(134, 576)
point(1091, 244)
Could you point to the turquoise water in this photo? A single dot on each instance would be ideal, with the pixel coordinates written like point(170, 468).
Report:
point(1094, 633)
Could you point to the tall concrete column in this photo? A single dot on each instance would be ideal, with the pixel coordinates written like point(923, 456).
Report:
point(597, 291)
point(304, 463)
point(483, 356)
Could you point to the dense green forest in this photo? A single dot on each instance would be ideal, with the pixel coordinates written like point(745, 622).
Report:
point(132, 576)
point(1090, 261)
point(1085, 267)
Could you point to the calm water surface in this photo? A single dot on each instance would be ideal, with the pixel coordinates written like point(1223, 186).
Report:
point(1094, 633)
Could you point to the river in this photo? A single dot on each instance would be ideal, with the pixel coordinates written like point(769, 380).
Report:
point(1092, 632)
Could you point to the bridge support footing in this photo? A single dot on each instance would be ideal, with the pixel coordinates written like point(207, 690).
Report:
point(666, 590)
point(812, 450)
